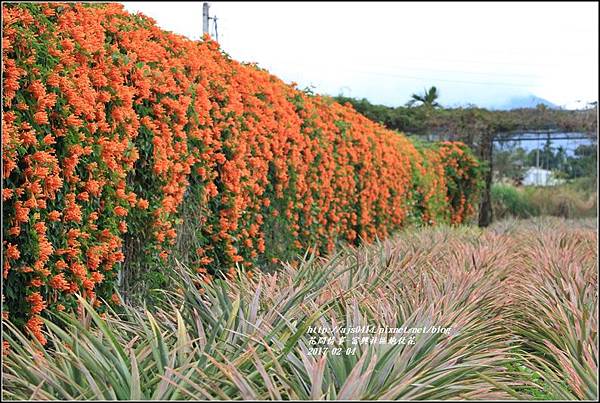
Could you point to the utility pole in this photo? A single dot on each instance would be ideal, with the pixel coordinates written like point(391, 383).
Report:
point(205, 18)
point(206, 22)
point(486, 151)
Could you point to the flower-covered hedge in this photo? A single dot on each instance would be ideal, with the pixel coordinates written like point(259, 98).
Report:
point(110, 124)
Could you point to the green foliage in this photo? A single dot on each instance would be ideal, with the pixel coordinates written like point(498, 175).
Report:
point(568, 200)
point(428, 99)
point(583, 163)
point(508, 201)
point(466, 122)
point(510, 163)
point(535, 387)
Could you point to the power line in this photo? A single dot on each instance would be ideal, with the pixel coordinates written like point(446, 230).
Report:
point(413, 77)
point(364, 71)
point(480, 62)
point(508, 140)
point(442, 79)
point(462, 72)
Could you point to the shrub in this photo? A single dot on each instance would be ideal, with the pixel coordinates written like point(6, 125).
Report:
point(564, 200)
point(508, 201)
point(111, 124)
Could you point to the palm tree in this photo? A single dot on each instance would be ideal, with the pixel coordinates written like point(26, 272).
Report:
point(428, 98)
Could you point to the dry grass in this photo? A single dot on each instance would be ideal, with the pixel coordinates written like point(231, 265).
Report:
point(522, 296)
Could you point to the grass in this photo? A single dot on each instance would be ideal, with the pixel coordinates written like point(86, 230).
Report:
point(519, 296)
point(510, 201)
point(571, 200)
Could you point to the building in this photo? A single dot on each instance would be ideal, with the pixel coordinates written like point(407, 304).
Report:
point(540, 177)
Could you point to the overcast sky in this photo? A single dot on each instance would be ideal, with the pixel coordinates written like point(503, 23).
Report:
point(474, 53)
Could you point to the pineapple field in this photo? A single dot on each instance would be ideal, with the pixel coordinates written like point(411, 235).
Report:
point(181, 226)
point(519, 299)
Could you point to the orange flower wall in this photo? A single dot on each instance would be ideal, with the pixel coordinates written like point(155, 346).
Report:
point(110, 125)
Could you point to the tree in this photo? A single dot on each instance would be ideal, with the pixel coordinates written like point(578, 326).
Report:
point(509, 163)
point(428, 98)
point(560, 159)
point(583, 162)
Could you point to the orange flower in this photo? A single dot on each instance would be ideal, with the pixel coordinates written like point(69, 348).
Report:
point(61, 265)
point(12, 252)
point(115, 299)
point(58, 282)
point(88, 284)
point(40, 118)
point(97, 277)
point(21, 213)
point(34, 325)
point(49, 139)
point(120, 211)
point(7, 193)
point(72, 211)
point(37, 302)
point(54, 215)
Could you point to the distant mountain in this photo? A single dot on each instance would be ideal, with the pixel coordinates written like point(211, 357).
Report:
point(527, 101)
